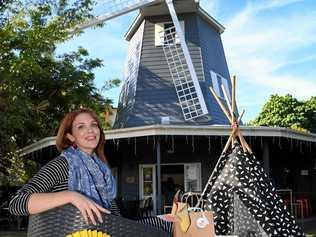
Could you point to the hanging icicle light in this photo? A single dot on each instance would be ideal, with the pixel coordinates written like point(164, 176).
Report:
point(193, 145)
point(135, 146)
point(171, 149)
point(154, 144)
point(118, 144)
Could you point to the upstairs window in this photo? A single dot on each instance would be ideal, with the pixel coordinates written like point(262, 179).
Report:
point(217, 81)
point(165, 32)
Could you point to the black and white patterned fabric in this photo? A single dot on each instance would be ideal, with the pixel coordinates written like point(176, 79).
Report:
point(244, 200)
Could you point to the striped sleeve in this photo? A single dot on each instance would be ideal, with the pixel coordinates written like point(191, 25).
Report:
point(157, 223)
point(115, 209)
point(50, 175)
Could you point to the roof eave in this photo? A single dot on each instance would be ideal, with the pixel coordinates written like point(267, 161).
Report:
point(178, 130)
point(209, 19)
point(133, 27)
point(218, 26)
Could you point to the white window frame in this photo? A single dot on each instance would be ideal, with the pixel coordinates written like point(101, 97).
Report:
point(198, 174)
point(141, 184)
point(159, 27)
point(217, 80)
point(153, 166)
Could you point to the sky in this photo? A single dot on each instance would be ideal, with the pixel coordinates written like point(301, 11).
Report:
point(270, 45)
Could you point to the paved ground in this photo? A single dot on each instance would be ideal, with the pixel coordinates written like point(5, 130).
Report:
point(12, 234)
point(308, 225)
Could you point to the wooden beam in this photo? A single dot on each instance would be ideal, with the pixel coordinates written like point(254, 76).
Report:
point(242, 139)
point(240, 116)
point(228, 143)
point(220, 103)
point(227, 101)
point(233, 81)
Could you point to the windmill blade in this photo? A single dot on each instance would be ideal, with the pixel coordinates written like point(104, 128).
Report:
point(108, 9)
point(182, 70)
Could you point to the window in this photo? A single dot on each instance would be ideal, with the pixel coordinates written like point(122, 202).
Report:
point(217, 81)
point(147, 183)
point(165, 32)
point(192, 177)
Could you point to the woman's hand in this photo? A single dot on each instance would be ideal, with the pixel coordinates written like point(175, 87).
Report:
point(87, 207)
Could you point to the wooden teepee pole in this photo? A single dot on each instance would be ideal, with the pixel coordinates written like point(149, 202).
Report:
point(227, 100)
point(233, 119)
point(231, 116)
point(233, 80)
point(220, 103)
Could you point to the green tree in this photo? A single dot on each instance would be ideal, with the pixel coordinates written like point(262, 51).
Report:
point(37, 87)
point(310, 113)
point(286, 111)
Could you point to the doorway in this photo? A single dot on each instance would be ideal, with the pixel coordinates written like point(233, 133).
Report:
point(185, 177)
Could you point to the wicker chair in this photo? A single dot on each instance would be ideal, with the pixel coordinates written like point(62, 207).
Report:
point(59, 222)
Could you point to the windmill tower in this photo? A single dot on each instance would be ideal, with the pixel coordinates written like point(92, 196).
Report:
point(175, 54)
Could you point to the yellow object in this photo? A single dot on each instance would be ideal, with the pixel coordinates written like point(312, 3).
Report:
point(88, 233)
point(84, 233)
point(76, 234)
point(180, 209)
point(94, 233)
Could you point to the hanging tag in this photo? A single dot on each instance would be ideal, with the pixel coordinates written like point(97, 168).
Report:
point(202, 221)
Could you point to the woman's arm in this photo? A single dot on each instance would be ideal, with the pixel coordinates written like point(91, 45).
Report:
point(36, 196)
point(53, 174)
point(39, 202)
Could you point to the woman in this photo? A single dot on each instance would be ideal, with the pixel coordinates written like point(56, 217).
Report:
point(75, 176)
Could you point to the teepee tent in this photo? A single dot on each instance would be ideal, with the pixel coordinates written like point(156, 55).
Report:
point(240, 193)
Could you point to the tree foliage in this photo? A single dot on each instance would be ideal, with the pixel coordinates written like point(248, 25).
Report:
point(286, 111)
point(37, 87)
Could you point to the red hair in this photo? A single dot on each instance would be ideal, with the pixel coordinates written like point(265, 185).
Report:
point(62, 142)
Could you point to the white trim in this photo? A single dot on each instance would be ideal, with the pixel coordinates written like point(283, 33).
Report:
point(215, 84)
point(199, 178)
point(45, 142)
point(178, 130)
point(160, 32)
point(187, 56)
point(218, 26)
point(122, 8)
point(200, 11)
point(138, 20)
point(141, 183)
point(216, 77)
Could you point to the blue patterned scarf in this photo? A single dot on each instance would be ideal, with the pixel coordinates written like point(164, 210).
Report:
point(90, 176)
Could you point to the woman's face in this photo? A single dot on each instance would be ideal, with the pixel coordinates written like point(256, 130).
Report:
point(85, 133)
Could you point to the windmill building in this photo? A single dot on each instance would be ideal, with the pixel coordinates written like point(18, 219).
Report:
point(149, 94)
point(168, 124)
